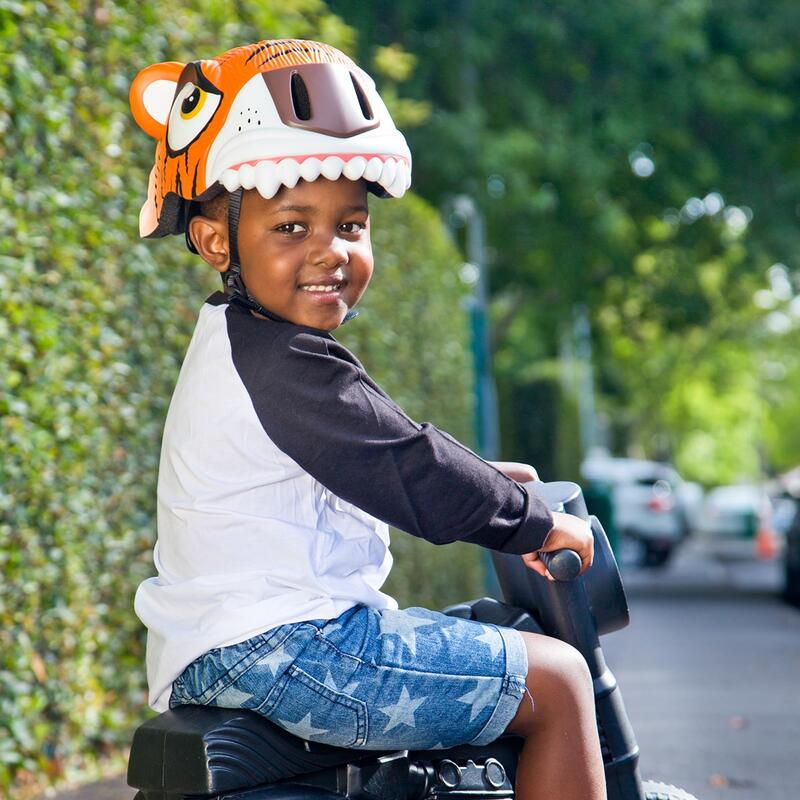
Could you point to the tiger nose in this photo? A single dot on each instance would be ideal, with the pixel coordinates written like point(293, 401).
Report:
point(323, 98)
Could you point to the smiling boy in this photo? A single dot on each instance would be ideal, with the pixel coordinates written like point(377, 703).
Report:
point(283, 462)
point(280, 243)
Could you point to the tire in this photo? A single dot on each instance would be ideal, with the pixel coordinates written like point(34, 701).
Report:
point(791, 563)
point(655, 557)
point(791, 583)
point(656, 790)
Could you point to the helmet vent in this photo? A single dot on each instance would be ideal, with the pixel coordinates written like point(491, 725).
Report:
point(300, 98)
point(362, 99)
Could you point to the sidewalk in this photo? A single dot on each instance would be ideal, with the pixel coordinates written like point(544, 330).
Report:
point(113, 789)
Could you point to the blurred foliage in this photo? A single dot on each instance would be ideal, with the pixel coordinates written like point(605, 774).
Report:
point(640, 158)
point(393, 66)
point(93, 327)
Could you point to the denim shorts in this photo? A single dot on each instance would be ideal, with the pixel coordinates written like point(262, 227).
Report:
point(372, 678)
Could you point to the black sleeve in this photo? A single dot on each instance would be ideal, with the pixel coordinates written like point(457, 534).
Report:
point(318, 405)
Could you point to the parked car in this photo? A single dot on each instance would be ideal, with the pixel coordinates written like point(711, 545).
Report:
point(738, 523)
point(650, 505)
point(784, 508)
point(787, 489)
point(791, 561)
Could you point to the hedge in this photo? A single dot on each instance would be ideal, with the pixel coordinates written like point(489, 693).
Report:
point(93, 326)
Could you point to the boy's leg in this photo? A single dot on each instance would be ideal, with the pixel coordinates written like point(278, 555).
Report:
point(561, 757)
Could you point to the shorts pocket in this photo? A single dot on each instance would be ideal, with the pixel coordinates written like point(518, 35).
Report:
point(309, 709)
point(221, 681)
point(213, 674)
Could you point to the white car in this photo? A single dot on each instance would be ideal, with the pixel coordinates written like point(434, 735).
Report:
point(737, 522)
point(650, 503)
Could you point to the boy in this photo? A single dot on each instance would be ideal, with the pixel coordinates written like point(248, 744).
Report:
point(282, 461)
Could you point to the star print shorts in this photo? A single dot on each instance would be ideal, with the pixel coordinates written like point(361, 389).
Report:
point(379, 679)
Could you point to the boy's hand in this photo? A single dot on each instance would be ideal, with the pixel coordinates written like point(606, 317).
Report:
point(570, 532)
point(519, 472)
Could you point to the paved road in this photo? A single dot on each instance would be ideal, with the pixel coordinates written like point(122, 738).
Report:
point(710, 672)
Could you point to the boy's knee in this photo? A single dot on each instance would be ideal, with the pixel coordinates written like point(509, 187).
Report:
point(553, 660)
point(558, 679)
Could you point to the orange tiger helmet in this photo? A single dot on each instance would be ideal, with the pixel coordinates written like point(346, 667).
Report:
point(262, 116)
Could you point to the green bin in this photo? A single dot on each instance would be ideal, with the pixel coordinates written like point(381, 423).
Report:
point(599, 502)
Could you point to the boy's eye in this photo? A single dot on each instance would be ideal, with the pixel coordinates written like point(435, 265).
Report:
point(352, 227)
point(297, 227)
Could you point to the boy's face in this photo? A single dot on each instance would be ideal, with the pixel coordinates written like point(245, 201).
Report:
point(306, 253)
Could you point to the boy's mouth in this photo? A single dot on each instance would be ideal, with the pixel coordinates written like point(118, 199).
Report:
point(325, 284)
point(322, 288)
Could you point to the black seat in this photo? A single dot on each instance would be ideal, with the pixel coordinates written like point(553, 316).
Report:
point(202, 750)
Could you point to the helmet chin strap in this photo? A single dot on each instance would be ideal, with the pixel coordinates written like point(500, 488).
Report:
point(235, 289)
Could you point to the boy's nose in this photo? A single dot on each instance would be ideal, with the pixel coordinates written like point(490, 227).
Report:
point(329, 251)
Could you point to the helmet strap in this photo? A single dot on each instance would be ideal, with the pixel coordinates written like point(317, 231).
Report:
point(190, 209)
point(232, 280)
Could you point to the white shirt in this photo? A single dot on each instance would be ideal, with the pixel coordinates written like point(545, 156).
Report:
point(268, 421)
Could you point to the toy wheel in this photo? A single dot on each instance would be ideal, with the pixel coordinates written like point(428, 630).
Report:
point(656, 790)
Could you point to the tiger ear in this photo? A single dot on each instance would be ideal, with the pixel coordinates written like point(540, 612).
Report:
point(151, 96)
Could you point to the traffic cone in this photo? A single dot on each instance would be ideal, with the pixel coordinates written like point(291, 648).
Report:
point(766, 543)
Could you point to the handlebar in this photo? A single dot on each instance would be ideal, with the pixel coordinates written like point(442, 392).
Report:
point(563, 565)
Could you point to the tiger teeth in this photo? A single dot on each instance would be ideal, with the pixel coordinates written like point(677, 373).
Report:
point(354, 168)
point(247, 176)
point(332, 168)
point(388, 173)
point(289, 170)
point(268, 181)
point(398, 185)
point(373, 169)
point(230, 180)
point(310, 169)
point(267, 176)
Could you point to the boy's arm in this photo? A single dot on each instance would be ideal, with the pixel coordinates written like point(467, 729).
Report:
point(322, 410)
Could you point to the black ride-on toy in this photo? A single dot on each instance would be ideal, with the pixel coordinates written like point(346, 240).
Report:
point(206, 753)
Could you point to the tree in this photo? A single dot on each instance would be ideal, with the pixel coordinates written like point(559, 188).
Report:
point(627, 155)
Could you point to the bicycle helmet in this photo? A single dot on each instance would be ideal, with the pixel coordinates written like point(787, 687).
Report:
point(260, 117)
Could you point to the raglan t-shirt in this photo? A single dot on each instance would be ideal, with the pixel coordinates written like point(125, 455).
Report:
point(282, 465)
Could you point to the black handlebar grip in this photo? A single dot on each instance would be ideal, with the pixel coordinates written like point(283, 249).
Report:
point(563, 565)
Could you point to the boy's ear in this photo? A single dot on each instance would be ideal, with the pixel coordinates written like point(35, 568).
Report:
point(210, 237)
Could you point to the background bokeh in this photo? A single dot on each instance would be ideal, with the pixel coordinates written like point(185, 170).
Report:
point(636, 164)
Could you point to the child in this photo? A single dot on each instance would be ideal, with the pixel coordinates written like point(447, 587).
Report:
point(282, 461)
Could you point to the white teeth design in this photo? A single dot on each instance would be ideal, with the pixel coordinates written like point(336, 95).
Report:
point(398, 186)
point(354, 168)
point(230, 180)
point(322, 288)
point(332, 168)
point(388, 174)
point(310, 169)
point(373, 169)
point(247, 176)
point(289, 171)
point(268, 177)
